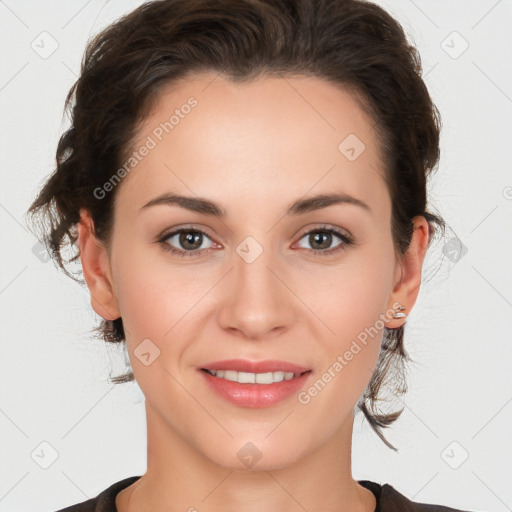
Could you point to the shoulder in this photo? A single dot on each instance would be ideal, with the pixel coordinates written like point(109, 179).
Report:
point(103, 502)
point(390, 500)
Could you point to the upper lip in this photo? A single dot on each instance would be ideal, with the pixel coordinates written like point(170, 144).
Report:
point(243, 365)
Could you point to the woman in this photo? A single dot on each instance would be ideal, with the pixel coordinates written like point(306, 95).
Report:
point(245, 182)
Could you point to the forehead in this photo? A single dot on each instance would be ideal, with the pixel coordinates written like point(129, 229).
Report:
point(207, 134)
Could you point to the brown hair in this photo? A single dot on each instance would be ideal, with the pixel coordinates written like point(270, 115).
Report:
point(352, 43)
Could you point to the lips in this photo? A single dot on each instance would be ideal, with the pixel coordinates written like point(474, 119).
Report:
point(263, 391)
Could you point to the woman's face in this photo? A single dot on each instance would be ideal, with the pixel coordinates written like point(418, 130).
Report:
point(259, 282)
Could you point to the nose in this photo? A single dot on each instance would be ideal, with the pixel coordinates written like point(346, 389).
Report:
point(257, 301)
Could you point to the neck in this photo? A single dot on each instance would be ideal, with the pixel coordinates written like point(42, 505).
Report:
point(179, 477)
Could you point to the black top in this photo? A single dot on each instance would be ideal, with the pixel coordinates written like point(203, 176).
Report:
point(388, 499)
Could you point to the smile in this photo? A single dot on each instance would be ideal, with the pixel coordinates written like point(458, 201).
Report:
point(253, 378)
point(248, 389)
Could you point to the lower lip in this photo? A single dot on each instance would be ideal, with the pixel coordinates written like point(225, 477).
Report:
point(255, 395)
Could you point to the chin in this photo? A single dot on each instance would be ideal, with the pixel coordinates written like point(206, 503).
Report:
point(250, 456)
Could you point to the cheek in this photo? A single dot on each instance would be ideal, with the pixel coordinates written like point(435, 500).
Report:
point(154, 311)
point(144, 285)
point(158, 301)
point(350, 301)
point(348, 298)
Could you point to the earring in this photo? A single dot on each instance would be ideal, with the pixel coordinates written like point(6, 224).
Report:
point(399, 314)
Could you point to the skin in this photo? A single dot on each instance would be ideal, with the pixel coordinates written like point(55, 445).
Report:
point(253, 148)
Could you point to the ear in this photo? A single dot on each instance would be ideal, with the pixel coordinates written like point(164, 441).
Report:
point(96, 269)
point(407, 277)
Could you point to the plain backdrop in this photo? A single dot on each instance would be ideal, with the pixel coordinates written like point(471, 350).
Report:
point(67, 433)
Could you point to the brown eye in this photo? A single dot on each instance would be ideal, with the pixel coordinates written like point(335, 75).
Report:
point(321, 241)
point(190, 240)
point(185, 242)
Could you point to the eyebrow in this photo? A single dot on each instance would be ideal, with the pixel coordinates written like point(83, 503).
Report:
point(298, 207)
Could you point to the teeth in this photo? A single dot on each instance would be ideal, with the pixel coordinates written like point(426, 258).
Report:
point(253, 378)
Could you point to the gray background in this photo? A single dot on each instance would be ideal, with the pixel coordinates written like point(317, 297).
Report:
point(66, 433)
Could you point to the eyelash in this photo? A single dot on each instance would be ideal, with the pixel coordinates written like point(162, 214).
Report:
point(346, 241)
